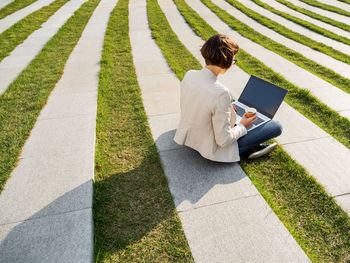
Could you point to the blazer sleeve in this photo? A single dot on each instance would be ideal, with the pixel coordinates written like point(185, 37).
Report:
point(224, 134)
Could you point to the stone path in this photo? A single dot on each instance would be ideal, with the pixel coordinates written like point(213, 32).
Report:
point(12, 19)
point(46, 206)
point(320, 11)
point(335, 3)
point(12, 65)
point(224, 217)
point(335, 98)
point(325, 60)
point(309, 145)
point(319, 23)
point(4, 3)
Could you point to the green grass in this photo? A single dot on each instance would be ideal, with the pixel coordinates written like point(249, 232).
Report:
point(325, 19)
point(290, 33)
point(305, 24)
point(17, 33)
point(134, 214)
point(318, 224)
point(22, 102)
point(14, 6)
point(293, 56)
point(327, 7)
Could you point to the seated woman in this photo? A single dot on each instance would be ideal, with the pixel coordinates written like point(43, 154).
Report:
point(208, 120)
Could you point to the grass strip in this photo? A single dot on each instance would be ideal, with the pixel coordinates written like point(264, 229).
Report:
point(304, 23)
point(17, 33)
point(290, 33)
point(293, 56)
point(311, 14)
point(134, 213)
point(313, 218)
point(14, 6)
point(326, 7)
point(22, 102)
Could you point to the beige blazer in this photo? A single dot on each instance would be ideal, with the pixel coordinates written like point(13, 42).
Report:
point(206, 117)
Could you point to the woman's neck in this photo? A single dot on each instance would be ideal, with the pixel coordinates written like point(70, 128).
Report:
point(215, 69)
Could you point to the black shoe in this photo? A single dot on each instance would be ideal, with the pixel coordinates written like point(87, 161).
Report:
point(261, 150)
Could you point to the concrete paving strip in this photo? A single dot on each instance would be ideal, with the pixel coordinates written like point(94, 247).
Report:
point(23, 54)
point(316, 22)
point(225, 219)
point(12, 19)
point(308, 52)
point(4, 3)
point(338, 4)
point(56, 238)
point(320, 11)
point(325, 158)
point(334, 97)
point(46, 205)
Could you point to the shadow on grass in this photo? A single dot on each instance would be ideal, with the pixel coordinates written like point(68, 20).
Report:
point(129, 207)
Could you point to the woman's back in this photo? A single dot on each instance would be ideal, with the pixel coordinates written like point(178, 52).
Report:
point(199, 91)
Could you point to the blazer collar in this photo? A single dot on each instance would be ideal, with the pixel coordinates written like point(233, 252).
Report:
point(208, 73)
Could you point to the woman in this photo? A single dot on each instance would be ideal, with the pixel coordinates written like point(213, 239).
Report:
point(208, 120)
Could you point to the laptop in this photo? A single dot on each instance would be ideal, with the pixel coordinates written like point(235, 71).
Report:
point(262, 95)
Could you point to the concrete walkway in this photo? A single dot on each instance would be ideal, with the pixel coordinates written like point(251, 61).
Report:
point(335, 98)
point(320, 11)
point(225, 219)
point(319, 23)
point(319, 57)
point(46, 205)
point(4, 3)
point(19, 59)
point(12, 19)
point(309, 145)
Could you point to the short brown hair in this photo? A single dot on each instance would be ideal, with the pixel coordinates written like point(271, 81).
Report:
point(219, 50)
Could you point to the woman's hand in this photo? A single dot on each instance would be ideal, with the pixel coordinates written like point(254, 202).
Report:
point(248, 121)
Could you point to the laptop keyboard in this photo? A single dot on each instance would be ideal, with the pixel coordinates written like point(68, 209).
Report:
point(241, 111)
point(258, 121)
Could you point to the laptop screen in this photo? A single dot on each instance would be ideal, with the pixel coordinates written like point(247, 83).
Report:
point(262, 95)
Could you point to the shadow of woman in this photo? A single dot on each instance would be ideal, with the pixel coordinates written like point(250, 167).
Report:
point(129, 206)
point(192, 178)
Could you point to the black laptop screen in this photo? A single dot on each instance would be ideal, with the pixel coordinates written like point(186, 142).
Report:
point(262, 95)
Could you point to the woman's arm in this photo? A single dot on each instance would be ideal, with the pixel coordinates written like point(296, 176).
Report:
point(222, 121)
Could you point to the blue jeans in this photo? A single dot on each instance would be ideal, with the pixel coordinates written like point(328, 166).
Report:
point(263, 133)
